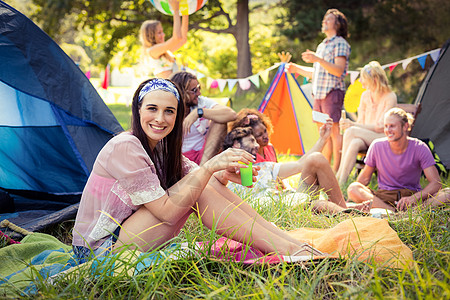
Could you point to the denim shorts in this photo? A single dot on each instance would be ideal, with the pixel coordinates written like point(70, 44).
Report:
point(84, 254)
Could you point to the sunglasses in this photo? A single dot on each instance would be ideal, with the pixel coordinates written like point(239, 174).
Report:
point(196, 89)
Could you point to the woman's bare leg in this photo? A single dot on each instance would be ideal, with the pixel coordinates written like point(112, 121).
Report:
point(355, 140)
point(316, 171)
point(336, 140)
point(146, 231)
point(235, 219)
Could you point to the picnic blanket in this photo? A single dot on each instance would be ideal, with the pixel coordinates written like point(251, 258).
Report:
point(38, 255)
point(42, 257)
point(367, 239)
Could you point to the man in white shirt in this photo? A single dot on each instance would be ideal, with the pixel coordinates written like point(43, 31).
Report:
point(205, 123)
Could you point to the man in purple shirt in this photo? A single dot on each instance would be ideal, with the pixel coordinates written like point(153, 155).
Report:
point(399, 161)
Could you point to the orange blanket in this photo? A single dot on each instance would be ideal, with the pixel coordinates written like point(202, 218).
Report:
point(367, 239)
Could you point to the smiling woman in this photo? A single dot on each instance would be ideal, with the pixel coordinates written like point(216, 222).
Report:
point(142, 189)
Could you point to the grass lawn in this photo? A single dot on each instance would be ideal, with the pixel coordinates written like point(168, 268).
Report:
point(424, 230)
point(122, 114)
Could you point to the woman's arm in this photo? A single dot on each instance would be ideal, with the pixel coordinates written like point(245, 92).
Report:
point(182, 196)
point(304, 71)
point(179, 36)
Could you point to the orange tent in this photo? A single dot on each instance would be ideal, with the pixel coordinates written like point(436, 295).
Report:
point(291, 114)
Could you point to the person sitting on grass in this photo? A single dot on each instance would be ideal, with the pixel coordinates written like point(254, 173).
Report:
point(400, 161)
point(262, 128)
point(142, 189)
point(375, 102)
point(205, 122)
point(315, 170)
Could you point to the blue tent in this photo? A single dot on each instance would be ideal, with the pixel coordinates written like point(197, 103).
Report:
point(53, 123)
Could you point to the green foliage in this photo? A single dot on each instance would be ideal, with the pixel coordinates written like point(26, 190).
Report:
point(425, 231)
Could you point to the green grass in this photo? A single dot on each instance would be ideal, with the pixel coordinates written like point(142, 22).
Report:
point(122, 114)
point(425, 231)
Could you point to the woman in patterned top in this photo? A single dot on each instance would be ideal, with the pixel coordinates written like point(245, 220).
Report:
point(142, 189)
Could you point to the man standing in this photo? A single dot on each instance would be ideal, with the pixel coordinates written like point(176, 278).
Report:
point(205, 123)
point(329, 70)
point(399, 160)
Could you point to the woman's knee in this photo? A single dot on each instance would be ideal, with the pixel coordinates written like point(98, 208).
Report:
point(354, 189)
point(357, 145)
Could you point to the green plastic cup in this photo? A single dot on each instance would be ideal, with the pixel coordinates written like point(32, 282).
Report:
point(247, 175)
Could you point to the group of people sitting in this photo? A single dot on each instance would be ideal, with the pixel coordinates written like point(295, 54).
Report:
point(180, 158)
point(142, 188)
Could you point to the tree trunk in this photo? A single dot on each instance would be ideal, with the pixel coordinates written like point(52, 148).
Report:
point(244, 64)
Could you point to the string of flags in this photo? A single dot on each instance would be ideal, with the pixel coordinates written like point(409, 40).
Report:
point(245, 83)
point(421, 58)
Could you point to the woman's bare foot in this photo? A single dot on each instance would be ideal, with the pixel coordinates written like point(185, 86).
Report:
point(364, 206)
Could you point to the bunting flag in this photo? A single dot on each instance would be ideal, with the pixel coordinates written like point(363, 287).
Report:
point(406, 62)
point(422, 60)
point(245, 83)
point(264, 75)
point(222, 83)
point(214, 84)
point(255, 80)
point(392, 67)
point(231, 83)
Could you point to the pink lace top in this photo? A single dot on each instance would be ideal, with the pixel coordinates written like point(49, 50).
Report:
point(123, 178)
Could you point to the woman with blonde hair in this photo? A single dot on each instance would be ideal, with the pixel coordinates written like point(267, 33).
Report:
point(158, 59)
point(375, 101)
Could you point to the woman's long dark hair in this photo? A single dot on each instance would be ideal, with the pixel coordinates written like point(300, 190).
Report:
point(167, 155)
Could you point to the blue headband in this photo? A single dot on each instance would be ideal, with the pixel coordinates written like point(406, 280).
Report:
point(158, 84)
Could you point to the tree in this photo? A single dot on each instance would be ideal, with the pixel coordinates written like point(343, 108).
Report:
point(112, 20)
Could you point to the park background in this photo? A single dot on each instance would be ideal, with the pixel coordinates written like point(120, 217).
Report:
point(99, 33)
point(232, 40)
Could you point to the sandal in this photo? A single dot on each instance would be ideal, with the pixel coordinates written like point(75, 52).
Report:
point(308, 250)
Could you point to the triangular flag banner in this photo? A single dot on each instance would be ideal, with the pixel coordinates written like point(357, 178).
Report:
point(264, 75)
point(435, 54)
point(406, 62)
point(88, 74)
point(422, 60)
point(209, 81)
point(200, 75)
point(214, 84)
point(353, 76)
point(255, 80)
point(222, 83)
point(305, 80)
point(231, 83)
point(392, 67)
point(244, 83)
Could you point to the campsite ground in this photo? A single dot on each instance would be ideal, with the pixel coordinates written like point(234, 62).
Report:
point(425, 231)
